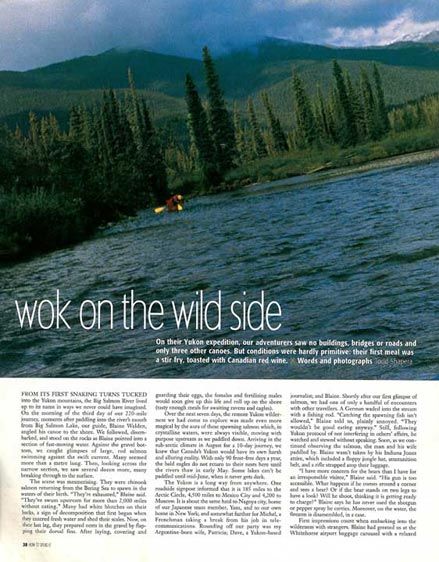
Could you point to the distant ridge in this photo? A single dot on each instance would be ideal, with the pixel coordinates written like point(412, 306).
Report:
point(243, 71)
point(409, 70)
point(430, 37)
point(163, 73)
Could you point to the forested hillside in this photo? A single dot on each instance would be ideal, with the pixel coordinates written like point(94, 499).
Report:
point(408, 70)
point(83, 157)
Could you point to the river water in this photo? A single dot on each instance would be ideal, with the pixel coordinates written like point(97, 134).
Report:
point(353, 258)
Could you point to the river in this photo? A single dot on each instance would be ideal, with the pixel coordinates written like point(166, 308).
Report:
point(352, 258)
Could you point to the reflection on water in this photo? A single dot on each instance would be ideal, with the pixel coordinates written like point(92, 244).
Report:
point(352, 258)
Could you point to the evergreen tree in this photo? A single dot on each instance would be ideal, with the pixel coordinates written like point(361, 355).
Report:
point(19, 137)
point(244, 142)
point(381, 103)
point(357, 106)
point(320, 132)
point(75, 126)
point(122, 136)
point(220, 122)
point(373, 129)
point(278, 138)
point(46, 137)
point(305, 123)
point(133, 172)
point(200, 134)
point(102, 154)
point(259, 146)
point(134, 110)
point(50, 139)
point(54, 126)
point(240, 137)
point(332, 116)
point(321, 114)
point(108, 129)
point(348, 127)
point(79, 126)
point(88, 135)
point(34, 133)
point(178, 160)
point(152, 159)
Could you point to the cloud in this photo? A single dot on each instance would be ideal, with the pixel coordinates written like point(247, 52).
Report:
point(38, 32)
point(404, 27)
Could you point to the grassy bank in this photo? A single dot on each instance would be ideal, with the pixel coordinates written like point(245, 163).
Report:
point(39, 221)
point(43, 220)
point(331, 158)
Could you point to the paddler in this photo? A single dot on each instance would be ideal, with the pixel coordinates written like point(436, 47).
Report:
point(175, 203)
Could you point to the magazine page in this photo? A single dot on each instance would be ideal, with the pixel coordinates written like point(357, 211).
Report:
point(218, 271)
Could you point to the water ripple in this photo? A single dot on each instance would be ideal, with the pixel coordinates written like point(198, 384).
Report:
point(351, 258)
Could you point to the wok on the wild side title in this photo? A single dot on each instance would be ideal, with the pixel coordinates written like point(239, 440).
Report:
point(131, 313)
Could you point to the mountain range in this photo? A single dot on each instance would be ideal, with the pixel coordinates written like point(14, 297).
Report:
point(421, 37)
point(409, 69)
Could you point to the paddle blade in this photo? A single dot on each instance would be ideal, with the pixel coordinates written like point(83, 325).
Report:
point(159, 209)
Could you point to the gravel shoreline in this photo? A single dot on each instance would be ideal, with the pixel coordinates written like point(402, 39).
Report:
point(400, 161)
point(410, 159)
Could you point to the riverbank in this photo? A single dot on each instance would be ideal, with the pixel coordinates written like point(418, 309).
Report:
point(397, 149)
point(305, 167)
point(401, 161)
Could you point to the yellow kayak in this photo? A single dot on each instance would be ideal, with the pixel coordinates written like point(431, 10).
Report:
point(165, 208)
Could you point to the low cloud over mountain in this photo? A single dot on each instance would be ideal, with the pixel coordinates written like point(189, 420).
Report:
point(37, 32)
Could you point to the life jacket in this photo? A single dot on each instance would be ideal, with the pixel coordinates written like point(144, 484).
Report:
point(175, 203)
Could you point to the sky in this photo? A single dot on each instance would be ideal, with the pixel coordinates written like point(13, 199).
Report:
point(35, 33)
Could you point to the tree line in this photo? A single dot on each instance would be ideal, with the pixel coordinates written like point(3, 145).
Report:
point(57, 185)
point(352, 113)
point(416, 114)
